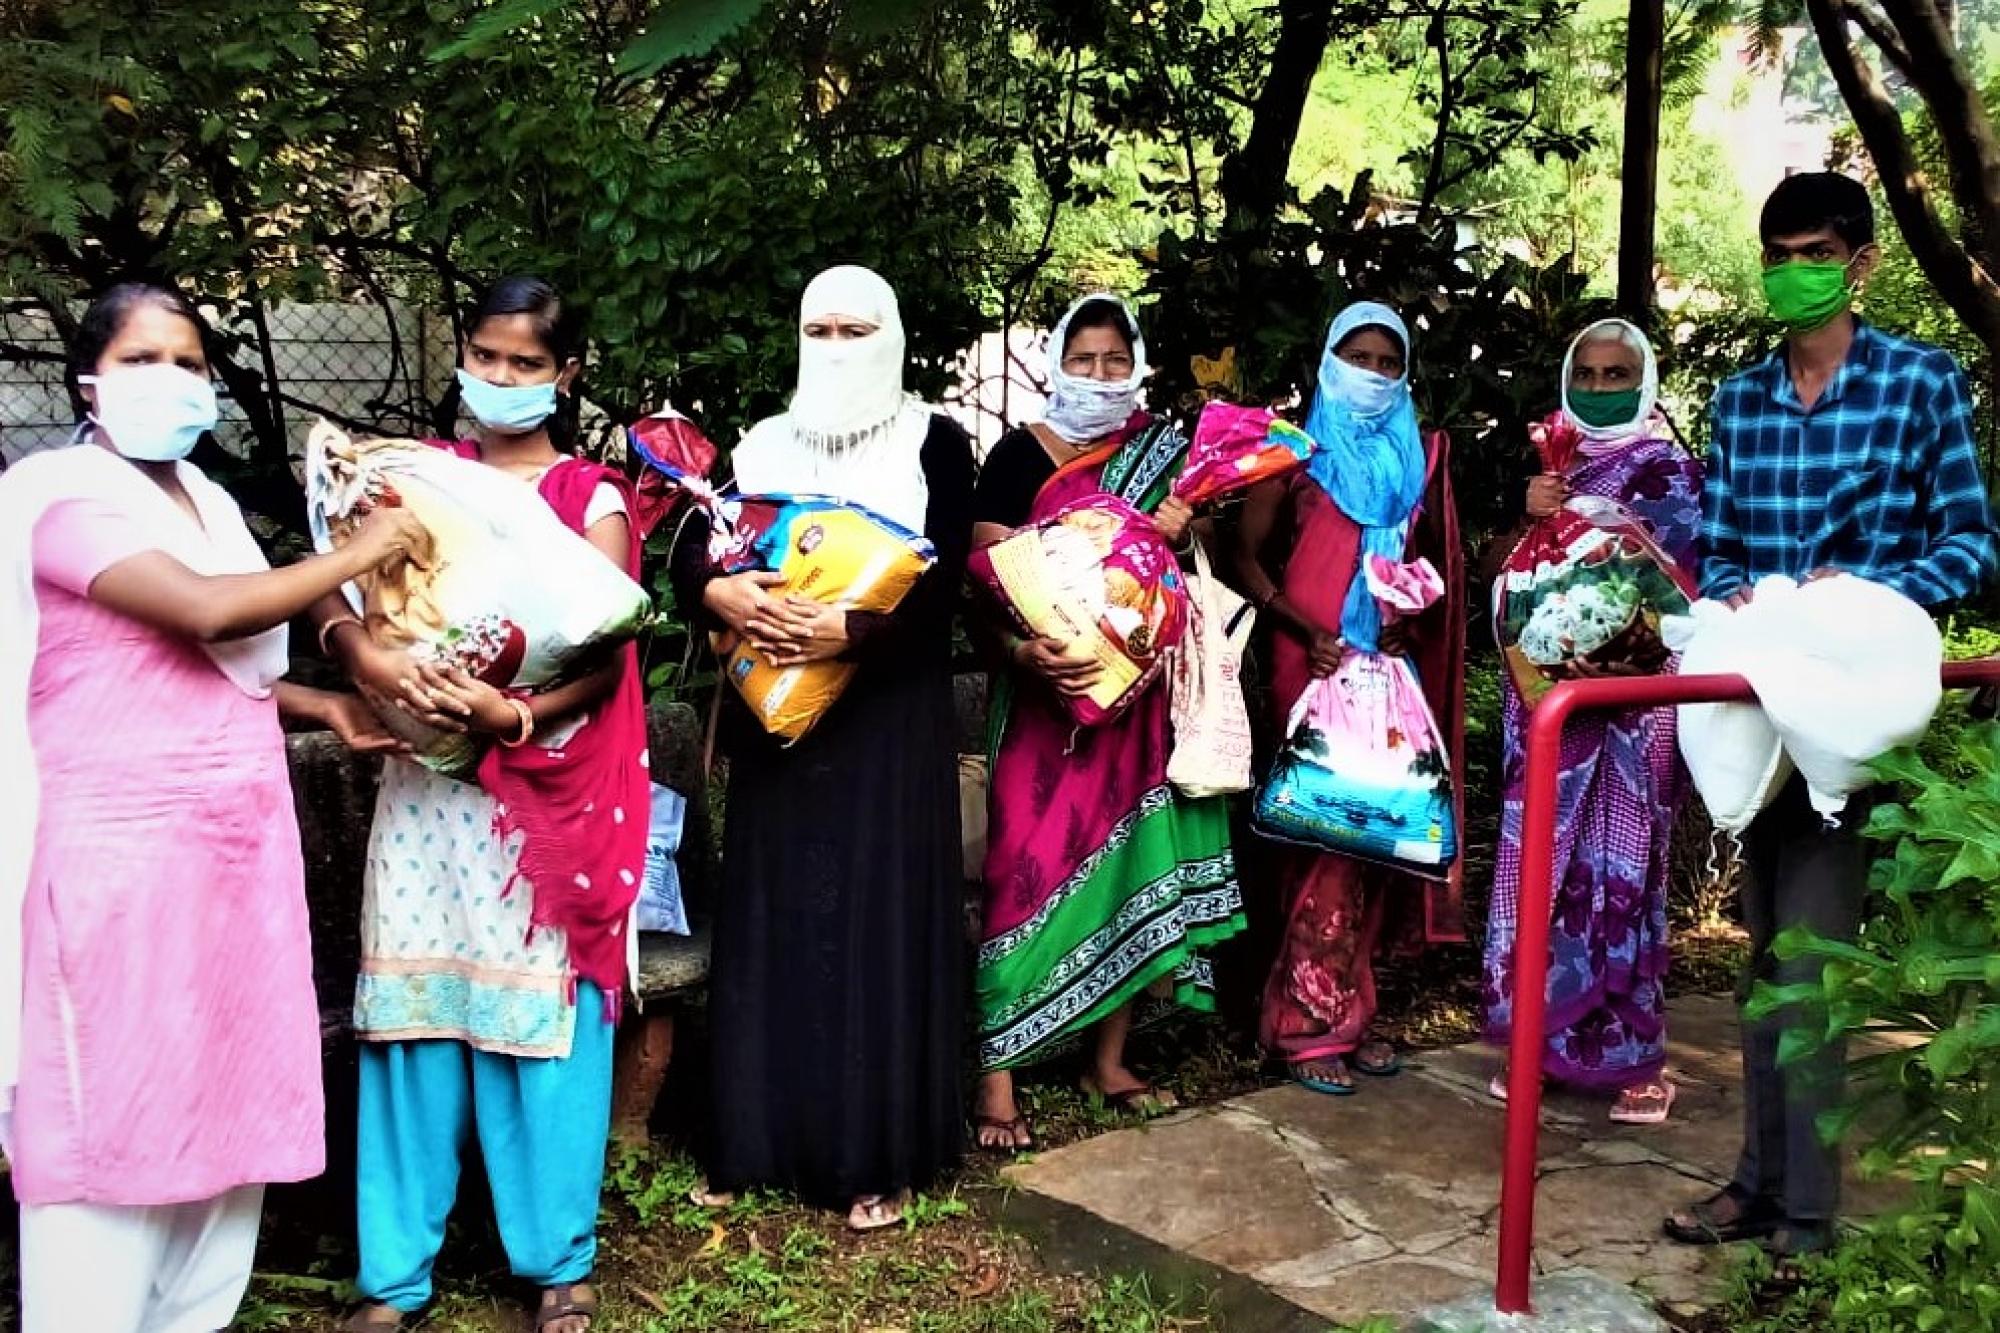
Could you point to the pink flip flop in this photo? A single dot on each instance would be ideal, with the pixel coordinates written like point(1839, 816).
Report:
point(1654, 1107)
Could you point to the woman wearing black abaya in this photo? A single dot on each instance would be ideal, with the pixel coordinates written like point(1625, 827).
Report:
point(836, 993)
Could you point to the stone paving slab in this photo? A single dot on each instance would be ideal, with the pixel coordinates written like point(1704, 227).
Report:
point(1386, 1202)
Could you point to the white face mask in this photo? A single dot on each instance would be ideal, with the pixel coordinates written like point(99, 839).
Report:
point(1363, 392)
point(153, 414)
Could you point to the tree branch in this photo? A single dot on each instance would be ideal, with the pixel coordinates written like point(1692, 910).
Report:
point(1439, 39)
point(1879, 31)
point(1967, 287)
point(1965, 127)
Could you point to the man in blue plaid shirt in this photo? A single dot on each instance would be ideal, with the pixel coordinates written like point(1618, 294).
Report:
point(1847, 451)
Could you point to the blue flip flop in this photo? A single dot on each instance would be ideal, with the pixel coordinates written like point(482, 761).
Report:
point(1321, 1085)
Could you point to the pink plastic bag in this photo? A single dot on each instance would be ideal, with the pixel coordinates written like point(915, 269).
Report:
point(1234, 448)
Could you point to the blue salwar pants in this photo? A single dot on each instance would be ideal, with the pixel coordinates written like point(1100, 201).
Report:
point(542, 1126)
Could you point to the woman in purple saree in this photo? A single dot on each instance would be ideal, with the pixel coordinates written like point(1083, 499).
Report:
point(1621, 782)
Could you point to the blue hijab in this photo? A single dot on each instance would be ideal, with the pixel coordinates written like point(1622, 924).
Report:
point(1370, 459)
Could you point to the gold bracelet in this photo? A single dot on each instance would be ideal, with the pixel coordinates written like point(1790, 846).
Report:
point(326, 632)
point(527, 716)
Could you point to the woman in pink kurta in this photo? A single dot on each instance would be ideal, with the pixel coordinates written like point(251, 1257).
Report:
point(163, 1063)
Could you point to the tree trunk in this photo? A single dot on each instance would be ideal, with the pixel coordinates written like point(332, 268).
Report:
point(1254, 179)
point(1645, 60)
point(1965, 279)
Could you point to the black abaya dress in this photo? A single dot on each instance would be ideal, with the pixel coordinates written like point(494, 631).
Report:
point(837, 989)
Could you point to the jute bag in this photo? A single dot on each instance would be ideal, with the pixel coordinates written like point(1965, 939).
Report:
point(1211, 754)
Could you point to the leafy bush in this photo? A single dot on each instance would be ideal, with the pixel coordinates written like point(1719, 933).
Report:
point(1924, 981)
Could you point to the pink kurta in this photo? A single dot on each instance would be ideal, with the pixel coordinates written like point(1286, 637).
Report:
point(169, 1032)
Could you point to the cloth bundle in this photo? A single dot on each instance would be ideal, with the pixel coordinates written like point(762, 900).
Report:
point(1845, 670)
point(1364, 769)
point(1096, 575)
point(1587, 582)
point(511, 595)
point(832, 552)
point(1234, 448)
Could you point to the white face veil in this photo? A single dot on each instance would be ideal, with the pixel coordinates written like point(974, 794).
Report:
point(852, 432)
point(848, 388)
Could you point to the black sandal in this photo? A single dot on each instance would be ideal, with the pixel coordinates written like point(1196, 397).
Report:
point(562, 1302)
point(1800, 1240)
point(1751, 1218)
point(1142, 1100)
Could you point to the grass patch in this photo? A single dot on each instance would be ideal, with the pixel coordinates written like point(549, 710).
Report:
point(765, 1263)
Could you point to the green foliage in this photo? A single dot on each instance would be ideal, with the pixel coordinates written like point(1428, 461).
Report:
point(1489, 330)
point(1924, 981)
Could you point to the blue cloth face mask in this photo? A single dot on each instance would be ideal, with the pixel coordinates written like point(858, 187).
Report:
point(1365, 393)
point(153, 414)
point(512, 409)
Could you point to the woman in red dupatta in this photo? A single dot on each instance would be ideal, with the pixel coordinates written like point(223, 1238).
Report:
point(495, 914)
point(1319, 1001)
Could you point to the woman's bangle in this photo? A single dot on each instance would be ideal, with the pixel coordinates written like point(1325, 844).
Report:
point(527, 716)
point(326, 632)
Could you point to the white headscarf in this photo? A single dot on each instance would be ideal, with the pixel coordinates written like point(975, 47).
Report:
point(220, 543)
point(852, 433)
point(1599, 439)
point(1082, 409)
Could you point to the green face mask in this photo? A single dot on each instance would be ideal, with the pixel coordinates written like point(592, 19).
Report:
point(1604, 408)
point(1808, 294)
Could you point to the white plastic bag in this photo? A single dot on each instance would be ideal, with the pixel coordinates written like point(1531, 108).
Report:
point(1732, 750)
point(1212, 743)
point(512, 595)
point(1845, 670)
point(1857, 674)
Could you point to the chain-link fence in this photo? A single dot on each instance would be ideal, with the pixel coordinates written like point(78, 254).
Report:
point(368, 365)
point(383, 367)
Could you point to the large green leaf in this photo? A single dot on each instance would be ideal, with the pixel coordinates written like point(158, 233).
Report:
point(685, 29)
point(493, 24)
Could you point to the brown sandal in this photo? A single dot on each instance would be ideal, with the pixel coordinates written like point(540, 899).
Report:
point(373, 1319)
point(1015, 1134)
point(562, 1302)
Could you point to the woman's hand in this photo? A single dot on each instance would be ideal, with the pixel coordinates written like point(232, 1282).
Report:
point(1172, 519)
point(1326, 653)
point(358, 726)
point(1051, 660)
point(750, 604)
point(814, 632)
point(1546, 494)
point(387, 678)
point(476, 705)
point(389, 532)
point(1394, 640)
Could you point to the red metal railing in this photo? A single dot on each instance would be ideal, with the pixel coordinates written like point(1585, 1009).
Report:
point(1531, 941)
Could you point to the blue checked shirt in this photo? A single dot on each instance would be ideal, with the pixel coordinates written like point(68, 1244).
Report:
point(1879, 479)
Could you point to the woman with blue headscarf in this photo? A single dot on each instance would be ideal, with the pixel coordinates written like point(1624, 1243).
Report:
point(1376, 486)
